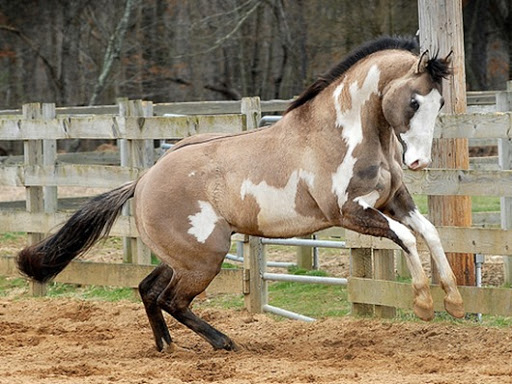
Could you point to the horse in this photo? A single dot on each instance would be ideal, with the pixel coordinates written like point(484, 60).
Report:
point(335, 158)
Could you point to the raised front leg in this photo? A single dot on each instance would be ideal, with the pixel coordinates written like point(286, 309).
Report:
point(403, 209)
point(452, 301)
point(362, 218)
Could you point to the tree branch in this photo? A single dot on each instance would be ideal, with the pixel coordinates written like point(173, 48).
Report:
point(227, 36)
point(34, 48)
point(113, 50)
point(228, 92)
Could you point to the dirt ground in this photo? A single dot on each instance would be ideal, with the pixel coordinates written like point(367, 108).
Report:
point(72, 341)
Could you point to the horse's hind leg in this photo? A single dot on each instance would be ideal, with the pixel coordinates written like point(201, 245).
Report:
point(150, 289)
point(175, 300)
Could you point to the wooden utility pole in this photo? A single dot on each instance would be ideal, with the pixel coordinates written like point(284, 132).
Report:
point(441, 29)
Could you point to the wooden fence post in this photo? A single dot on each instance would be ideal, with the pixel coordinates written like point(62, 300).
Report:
point(441, 29)
point(504, 104)
point(384, 269)
point(254, 251)
point(251, 108)
point(255, 263)
point(304, 256)
point(361, 266)
point(49, 159)
point(39, 153)
point(136, 154)
point(402, 269)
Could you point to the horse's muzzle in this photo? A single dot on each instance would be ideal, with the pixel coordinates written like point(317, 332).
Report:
point(418, 165)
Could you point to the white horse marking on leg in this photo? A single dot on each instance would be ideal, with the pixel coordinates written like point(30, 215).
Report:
point(427, 230)
point(453, 301)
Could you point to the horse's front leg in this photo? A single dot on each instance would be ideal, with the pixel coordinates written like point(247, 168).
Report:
point(360, 217)
point(453, 300)
point(403, 209)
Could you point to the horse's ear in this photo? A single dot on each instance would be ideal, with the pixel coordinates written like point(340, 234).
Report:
point(423, 62)
point(448, 59)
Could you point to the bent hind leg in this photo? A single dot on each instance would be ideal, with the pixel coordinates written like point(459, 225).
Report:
point(176, 298)
point(172, 288)
point(150, 289)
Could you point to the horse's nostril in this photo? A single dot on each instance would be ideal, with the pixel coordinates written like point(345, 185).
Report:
point(415, 165)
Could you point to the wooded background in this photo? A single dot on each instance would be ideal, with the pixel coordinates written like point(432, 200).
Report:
point(86, 52)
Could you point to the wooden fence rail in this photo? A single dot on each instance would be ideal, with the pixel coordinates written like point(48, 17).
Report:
point(41, 171)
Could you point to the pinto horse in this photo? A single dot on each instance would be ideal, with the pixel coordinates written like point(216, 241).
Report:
point(334, 159)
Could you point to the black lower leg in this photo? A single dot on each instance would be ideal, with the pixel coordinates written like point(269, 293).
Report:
point(150, 289)
point(175, 300)
point(216, 338)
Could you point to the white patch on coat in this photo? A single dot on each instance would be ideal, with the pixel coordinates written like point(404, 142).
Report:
point(276, 204)
point(203, 222)
point(418, 138)
point(193, 173)
point(352, 129)
point(369, 200)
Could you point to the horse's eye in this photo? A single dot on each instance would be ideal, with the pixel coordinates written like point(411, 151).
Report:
point(414, 105)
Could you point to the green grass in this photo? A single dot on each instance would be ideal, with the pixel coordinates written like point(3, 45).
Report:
point(92, 292)
point(12, 236)
point(314, 300)
point(9, 284)
point(228, 301)
point(478, 203)
point(485, 204)
point(19, 288)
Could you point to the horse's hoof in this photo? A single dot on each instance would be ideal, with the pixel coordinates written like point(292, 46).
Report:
point(173, 348)
point(423, 310)
point(234, 347)
point(454, 307)
point(230, 345)
point(168, 348)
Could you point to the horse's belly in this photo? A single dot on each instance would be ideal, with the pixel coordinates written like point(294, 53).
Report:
point(274, 210)
point(274, 219)
point(289, 227)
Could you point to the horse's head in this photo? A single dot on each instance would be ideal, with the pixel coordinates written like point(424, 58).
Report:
point(411, 104)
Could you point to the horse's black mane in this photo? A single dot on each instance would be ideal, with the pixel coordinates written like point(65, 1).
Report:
point(437, 68)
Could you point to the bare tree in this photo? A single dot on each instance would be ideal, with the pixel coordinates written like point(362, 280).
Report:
point(113, 50)
point(82, 52)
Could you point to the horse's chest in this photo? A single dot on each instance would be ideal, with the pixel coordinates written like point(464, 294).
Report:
point(373, 184)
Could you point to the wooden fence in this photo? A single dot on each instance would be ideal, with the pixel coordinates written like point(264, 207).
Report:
point(135, 127)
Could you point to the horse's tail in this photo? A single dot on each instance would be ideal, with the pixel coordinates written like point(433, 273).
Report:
point(94, 220)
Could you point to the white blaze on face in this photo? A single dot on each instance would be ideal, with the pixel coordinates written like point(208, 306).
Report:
point(203, 222)
point(352, 129)
point(276, 204)
point(418, 139)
